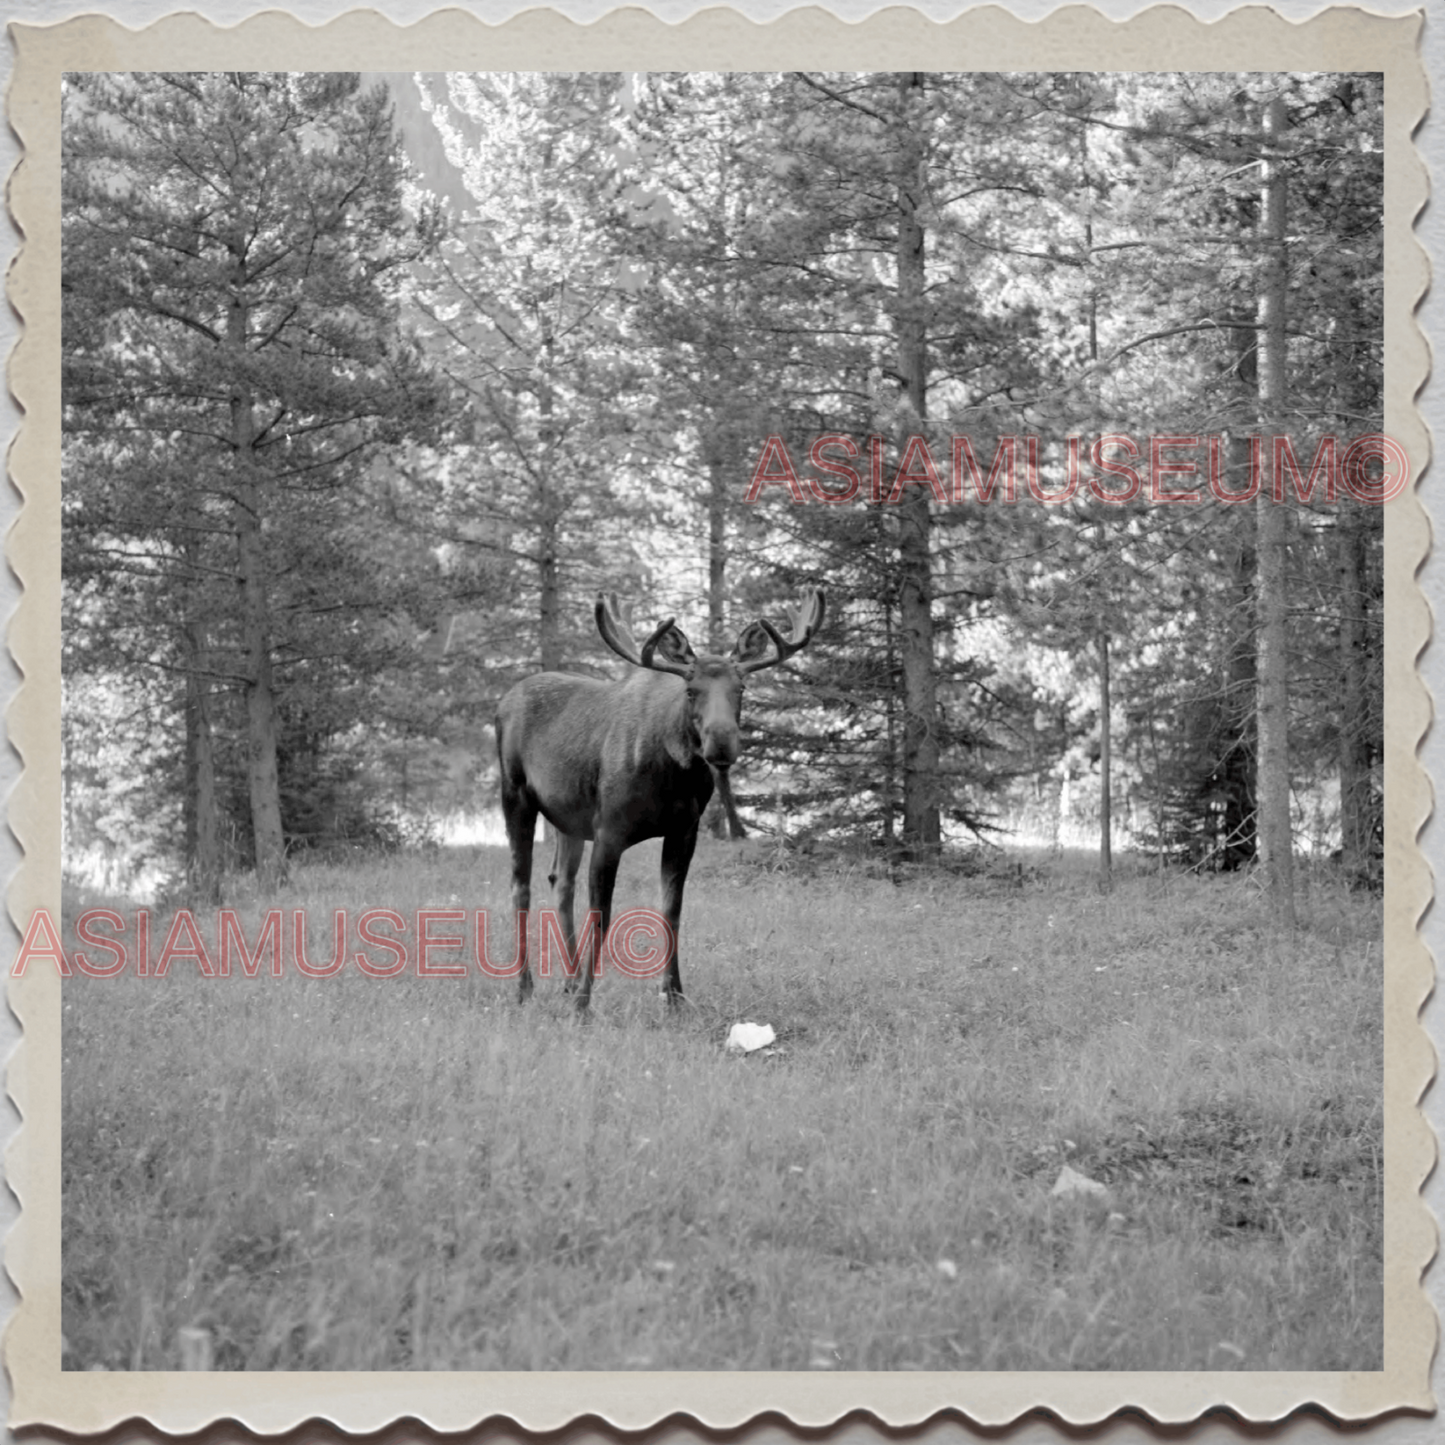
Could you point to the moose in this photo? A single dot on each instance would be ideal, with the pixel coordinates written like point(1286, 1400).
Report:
point(619, 762)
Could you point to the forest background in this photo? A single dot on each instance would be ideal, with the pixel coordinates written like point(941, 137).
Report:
point(364, 406)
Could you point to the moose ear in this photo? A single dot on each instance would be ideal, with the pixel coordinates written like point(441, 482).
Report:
point(674, 647)
point(754, 645)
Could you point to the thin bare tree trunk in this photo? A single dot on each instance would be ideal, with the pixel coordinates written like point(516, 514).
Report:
point(1359, 804)
point(203, 833)
point(721, 818)
point(549, 620)
point(1275, 844)
point(549, 610)
point(1354, 748)
point(717, 550)
point(1158, 794)
point(1239, 750)
point(890, 767)
point(202, 820)
point(1106, 807)
point(549, 519)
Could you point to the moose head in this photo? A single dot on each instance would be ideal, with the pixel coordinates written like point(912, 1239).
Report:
point(714, 681)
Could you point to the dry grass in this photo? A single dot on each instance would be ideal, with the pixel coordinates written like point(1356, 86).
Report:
point(351, 1173)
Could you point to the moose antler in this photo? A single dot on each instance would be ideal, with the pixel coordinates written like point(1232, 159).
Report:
point(616, 632)
point(803, 622)
point(615, 629)
point(679, 656)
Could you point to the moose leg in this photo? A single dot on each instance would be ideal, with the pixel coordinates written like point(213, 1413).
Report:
point(565, 863)
point(676, 860)
point(554, 837)
point(521, 814)
point(601, 880)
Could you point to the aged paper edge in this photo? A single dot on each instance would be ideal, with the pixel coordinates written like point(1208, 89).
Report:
point(1076, 38)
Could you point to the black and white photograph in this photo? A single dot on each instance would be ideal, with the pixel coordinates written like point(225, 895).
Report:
point(723, 720)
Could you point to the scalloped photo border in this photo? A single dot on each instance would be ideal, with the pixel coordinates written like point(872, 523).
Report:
point(1165, 38)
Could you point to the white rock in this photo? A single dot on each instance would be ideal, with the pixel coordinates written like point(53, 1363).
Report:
point(1070, 1182)
point(746, 1037)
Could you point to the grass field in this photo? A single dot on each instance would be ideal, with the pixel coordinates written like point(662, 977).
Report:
point(411, 1173)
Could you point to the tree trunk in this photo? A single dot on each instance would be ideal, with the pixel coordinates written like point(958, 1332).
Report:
point(717, 556)
point(1275, 845)
point(1235, 762)
point(1106, 811)
point(549, 524)
point(261, 726)
point(1158, 794)
point(549, 612)
point(721, 818)
point(890, 756)
point(1354, 743)
point(203, 833)
point(921, 825)
point(262, 730)
point(1238, 753)
point(202, 821)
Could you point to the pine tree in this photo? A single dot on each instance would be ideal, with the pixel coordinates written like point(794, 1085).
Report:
point(233, 362)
